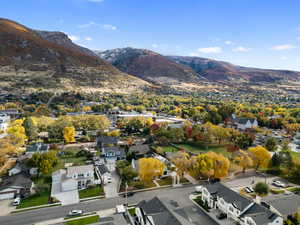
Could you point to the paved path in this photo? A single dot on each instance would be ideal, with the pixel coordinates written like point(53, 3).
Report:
point(191, 179)
point(34, 216)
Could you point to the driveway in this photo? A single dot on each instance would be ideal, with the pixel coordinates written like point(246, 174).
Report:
point(6, 207)
point(111, 189)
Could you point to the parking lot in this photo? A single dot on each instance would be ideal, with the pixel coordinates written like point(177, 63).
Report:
point(251, 179)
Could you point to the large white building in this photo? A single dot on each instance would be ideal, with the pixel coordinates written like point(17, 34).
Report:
point(67, 182)
point(237, 207)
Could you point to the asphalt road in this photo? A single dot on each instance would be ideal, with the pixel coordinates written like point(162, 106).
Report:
point(180, 194)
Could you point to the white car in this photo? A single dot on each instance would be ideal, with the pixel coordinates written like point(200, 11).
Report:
point(16, 201)
point(75, 212)
point(278, 183)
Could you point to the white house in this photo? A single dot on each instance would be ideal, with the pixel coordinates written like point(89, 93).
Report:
point(238, 207)
point(4, 122)
point(104, 173)
point(244, 123)
point(66, 183)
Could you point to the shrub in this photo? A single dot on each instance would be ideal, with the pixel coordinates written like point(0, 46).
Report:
point(261, 188)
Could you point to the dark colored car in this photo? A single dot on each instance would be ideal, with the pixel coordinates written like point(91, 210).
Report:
point(222, 216)
point(129, 194)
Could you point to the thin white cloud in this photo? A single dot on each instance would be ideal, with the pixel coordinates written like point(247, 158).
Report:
point(87, 25)
point(88, 38)
point(74, 38)
point(283, 47)
point(210, 50)
point(154, 45)
point(228, 42)
point(95, 0)
point(298, 38)
point(241, 49)
point(109, 27)
point(102, 26)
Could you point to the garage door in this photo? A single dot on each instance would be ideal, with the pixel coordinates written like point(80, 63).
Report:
point(7, 195)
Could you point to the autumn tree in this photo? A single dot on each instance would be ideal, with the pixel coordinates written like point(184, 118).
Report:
point(6, 149)
point(260, 156)
point(271, 144)
point(182, 162)
point(244, 160)
point(261, 188)
point(69, 134)
point(16, 132)
point(31, 129)
point(149, 168)
point(44, 161)
point(211, 164)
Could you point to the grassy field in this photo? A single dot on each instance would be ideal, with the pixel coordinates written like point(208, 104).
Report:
point(91, 192)
point(84, 221)
point(35, 200)
point(197, 148)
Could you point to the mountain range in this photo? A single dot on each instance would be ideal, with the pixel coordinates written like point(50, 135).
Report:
point(34, 59)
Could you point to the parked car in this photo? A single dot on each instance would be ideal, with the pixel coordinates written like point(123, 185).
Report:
point(222, 216)
point(75, 212)
point(278, 183)
point(16, 201)
point(249, 189)
point(129, 194)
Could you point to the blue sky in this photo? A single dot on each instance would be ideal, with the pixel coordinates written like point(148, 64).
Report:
point(258, 33)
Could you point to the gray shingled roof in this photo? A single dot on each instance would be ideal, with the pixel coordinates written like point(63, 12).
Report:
point(139, 149)
point(107, 140)
point(159, 212)
point(284, 204)
point(19, 180)
point(260, 214)
point(228, 195)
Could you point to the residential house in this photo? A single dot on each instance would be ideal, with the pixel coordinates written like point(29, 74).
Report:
point(67, 182)
point(237, 207)
point(105, 141)
point(19, 184)
point(113, 153)
point(38, 147)
point(15, 170)
point(165, 211)
point(243, 123)
point(12, 113)
point(105, 174)
point(283, 204)
point(140, 151)
point(4, 122)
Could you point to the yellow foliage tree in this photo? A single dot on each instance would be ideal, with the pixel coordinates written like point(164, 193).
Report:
point(244, 160)
point(211, 164)
point(114, 133)
point(149, 168)
point(16, 132)
point(6, 149)
point(69, 134)
point(87, 109)
point(260, 156)
point(182, 162)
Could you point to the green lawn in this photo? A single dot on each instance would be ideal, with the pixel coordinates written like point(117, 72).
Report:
point(131, 211)
point(165, 181)
point(84, 221)
point(91, 192)
point(200, 148)
point(35, 200)
point(197, 148)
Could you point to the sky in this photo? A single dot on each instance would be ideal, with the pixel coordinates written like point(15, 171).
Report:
point(256, 33)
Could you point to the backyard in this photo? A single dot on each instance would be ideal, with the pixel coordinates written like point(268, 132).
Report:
point(197, 148)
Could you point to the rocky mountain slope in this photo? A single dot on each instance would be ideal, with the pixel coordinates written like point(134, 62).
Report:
point(150, 66)
point(215, 70)
point(62, 39)
point(28, 61)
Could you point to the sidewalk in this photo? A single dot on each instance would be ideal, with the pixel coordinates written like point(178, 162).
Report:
point(191, 179)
